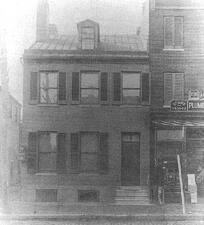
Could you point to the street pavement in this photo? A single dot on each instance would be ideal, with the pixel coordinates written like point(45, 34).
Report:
point(170, 214)
point(101, 222)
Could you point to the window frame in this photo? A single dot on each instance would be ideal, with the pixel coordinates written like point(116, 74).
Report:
point(48, 88)
point(45, 153)
point(82, 88)
point(140, 87)
point(84, 39)
point(89, 153)
point(173, 87)
point(173, 47)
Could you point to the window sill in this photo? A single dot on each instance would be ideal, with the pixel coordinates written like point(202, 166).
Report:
point(133, 106)
point(89, 174)
point(46, 173)
point(174, 49)
point(48, 105)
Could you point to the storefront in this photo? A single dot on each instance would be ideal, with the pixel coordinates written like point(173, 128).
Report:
point(179, 134)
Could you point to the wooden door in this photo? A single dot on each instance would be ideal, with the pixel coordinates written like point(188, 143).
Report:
point(130, 163)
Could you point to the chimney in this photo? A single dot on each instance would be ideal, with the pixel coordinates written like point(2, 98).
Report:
point(42, 23)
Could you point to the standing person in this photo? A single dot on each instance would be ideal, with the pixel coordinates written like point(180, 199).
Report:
point(160, 190)
point(200, 175)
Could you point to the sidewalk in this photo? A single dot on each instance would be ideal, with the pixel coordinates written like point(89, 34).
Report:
point(168, 212)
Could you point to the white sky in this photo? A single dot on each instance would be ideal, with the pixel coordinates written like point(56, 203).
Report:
point(18, 18)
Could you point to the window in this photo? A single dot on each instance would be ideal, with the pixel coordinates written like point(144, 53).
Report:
point(46, 195)
point(89, 149)
point(48, 87)
point(89, 152)
point(89, 88)
point(173, 87)
point(47, 152)
point(87, 38)
point(131, 88)
point(165, 135)
point(173, 32)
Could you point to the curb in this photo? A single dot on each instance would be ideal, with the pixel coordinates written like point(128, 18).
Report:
point(104, 217)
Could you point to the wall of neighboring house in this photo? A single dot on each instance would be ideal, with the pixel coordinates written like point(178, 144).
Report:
point(176, 63)
point(13, 141)
point(70, 118)
point(9, 133)
point(187, 59)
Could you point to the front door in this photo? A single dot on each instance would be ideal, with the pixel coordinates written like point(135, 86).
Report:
point(130, 163)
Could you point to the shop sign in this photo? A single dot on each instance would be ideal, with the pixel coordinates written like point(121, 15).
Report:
point(193, 95)
point(192, 187)
point(179, 105)
point(196, 105)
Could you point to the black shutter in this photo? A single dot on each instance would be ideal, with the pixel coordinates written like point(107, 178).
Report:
point(75, 87)
point(145, 88)
point(116, 87)
point(104, 87)
point(62, 93)
point(33, 87)
point(75, 152)
point(61, 153)
point(103, 153)
point(32, 153)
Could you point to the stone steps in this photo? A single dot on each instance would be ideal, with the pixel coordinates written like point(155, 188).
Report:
point(132, 195)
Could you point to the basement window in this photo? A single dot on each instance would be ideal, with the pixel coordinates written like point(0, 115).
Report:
point(88, 196)
point(46, 195)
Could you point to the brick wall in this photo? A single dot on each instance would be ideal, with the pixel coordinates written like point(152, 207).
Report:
point(189, 61)
point(74, 118)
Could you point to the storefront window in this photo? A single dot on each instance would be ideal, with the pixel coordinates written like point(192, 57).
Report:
point(164, 135)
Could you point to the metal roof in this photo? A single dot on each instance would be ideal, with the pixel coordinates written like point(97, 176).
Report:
point(132, 43)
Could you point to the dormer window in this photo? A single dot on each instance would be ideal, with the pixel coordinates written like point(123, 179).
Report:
point(87, 38)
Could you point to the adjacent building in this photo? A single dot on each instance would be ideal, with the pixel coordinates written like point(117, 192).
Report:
point(10, 110)
point(85, 116)
point(176, 49)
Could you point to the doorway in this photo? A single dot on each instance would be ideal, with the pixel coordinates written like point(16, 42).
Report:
point(130, 159)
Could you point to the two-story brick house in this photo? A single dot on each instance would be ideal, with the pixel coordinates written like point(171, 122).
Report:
point(85, 116)
point(176, 47)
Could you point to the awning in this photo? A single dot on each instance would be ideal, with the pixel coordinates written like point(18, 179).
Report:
point(180, 123)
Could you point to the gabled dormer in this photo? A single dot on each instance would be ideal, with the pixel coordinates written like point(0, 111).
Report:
point(88, 34)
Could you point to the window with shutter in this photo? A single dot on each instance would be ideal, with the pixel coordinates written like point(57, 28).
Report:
point(75, 87)
point(104, 87)
point(103, 153)
point(168, 32)
point(48, 87)
point(173, 32)
point(62, 93)
point(89, 152)
point(131, 88)
point(34, 87)
point(32, 153)
point(116, 87)
point(145, 88)
point(89, 144)
point(178, 39)
point(47, 151)
point(173, 87)
point(75, 152)
point(89, 87)
point(61, 153)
